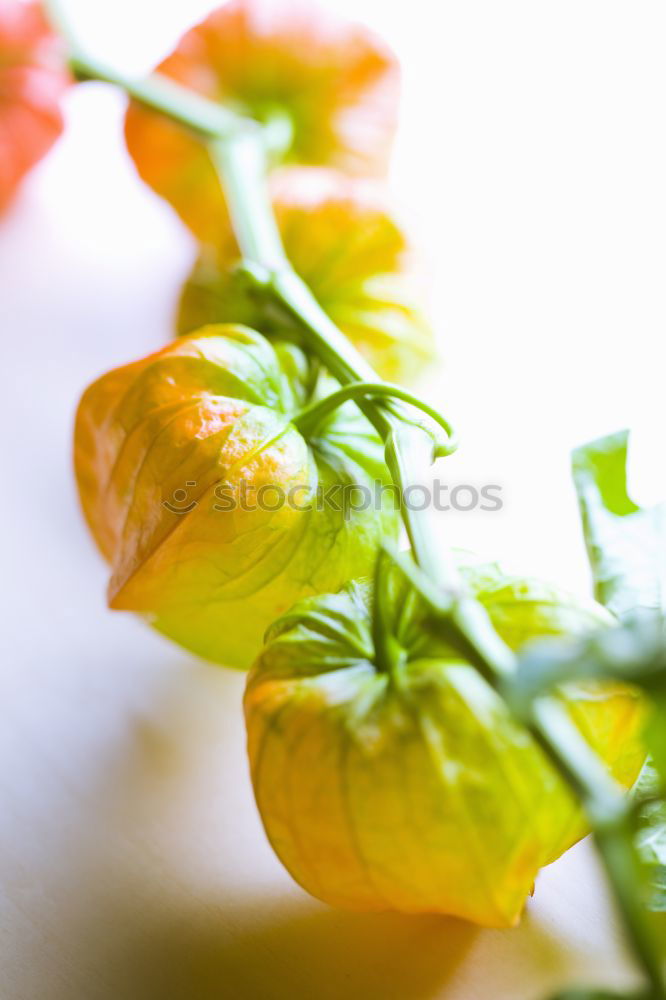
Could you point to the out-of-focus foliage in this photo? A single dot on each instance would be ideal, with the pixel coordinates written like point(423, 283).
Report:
point(652, 836)
point(627, 547)
point(626, 543)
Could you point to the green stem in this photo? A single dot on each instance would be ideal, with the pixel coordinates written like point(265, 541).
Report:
point(406, 454)
point(241, 162)
point(625, 876)
point(242, 166)
point(207, 119)
point(388, 651)
point(606, 806)
point(286, 289)
point(159, 93)
point(549, 722)
point(239, 146)
point(280, 286)
point(309, 418)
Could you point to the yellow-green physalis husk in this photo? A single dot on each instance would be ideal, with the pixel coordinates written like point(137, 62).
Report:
point(412, 788)
point(214, 511)
point(352, 252)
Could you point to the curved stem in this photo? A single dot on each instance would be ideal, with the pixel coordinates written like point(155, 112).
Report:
point(387, 650)
point(311, 416)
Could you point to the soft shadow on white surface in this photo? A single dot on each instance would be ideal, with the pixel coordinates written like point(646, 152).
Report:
point(134, 865)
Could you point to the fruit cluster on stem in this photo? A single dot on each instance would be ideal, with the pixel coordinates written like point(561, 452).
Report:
point(241, 149)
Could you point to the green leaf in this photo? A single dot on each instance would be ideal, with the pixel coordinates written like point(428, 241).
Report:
point(626, 543)
point(652, 836)
point(627, 550)
point(632, 653)
point(657, 733)
point(658, 904)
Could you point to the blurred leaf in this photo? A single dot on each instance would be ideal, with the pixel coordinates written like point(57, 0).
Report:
point(626, 544)
point(627, 550)
point(633, 652)
point(657, 733)
point(652, 836)
point(658, 903)
point(649, 785)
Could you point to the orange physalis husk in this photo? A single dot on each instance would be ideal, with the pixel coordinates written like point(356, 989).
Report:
point(334, 82)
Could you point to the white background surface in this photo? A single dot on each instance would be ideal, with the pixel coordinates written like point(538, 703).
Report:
point(531, 162)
